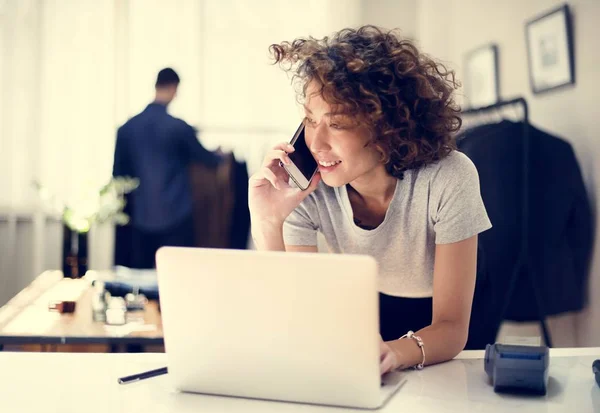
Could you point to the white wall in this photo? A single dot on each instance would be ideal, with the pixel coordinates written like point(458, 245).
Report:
point(451, 28)
point(20, 61)
point(391, 14)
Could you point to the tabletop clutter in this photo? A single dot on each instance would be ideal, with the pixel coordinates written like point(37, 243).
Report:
point(113, 310)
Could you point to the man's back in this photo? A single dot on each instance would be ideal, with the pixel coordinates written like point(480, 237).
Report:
point(158, 148)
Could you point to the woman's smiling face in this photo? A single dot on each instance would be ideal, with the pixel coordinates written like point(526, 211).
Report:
point(338, 143)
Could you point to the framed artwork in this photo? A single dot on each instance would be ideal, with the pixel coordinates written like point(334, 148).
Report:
point(481, 77)
point(550, 50)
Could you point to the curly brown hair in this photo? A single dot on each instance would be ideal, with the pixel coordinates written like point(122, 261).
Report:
point(404, 97)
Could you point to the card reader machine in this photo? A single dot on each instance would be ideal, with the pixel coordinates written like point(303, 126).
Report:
point(515, 368)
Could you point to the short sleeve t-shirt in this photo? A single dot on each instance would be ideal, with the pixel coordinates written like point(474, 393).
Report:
point(437, 204)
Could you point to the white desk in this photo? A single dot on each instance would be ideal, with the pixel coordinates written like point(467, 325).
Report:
point(68, 382)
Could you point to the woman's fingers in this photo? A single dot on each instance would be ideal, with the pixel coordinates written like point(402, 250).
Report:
point(387, 364)
point(270, 176)
point(279, 153)
point(284, 146)
point(275, 156)
point(387, 358)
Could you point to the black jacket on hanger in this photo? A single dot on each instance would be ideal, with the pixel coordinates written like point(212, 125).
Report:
point(239, 229)
point(240, 225)
point(560, 219)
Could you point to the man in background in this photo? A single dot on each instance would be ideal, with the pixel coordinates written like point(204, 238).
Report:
point(158, 149)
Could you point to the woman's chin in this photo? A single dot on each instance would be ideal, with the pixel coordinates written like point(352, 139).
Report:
point(333, 180)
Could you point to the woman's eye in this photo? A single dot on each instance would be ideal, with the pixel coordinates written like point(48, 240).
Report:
point(309, 120)
point(335, 126)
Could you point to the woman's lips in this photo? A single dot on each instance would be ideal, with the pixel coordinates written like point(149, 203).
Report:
point(328, 169)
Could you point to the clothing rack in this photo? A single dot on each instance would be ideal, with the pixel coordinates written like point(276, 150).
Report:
point(523, 261)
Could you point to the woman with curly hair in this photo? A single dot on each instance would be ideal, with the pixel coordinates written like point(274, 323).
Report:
point(380, 121)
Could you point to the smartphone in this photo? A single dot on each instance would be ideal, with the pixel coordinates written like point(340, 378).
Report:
point(303, 167)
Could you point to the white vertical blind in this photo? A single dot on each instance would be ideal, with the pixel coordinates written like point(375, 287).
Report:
point(77, 95)
point(19, 100)
point(162, 35)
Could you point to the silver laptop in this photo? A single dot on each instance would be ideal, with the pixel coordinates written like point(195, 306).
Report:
point(282, 326)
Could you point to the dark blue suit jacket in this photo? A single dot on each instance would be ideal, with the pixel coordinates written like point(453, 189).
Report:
point(158, 149)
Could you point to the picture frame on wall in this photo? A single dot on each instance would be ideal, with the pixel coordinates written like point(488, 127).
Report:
point(481, 80)
point(550, 56)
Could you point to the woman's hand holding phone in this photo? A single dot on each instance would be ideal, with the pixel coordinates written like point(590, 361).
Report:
point(271, 198)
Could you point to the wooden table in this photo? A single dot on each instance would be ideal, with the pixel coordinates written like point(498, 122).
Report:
point(27, 324)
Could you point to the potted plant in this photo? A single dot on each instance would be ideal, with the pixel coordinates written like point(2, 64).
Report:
point(96, 206)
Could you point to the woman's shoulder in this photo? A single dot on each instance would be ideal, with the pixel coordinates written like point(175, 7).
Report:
point(455, 165)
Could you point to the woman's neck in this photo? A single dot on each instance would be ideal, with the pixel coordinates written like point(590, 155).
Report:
point(376, 187)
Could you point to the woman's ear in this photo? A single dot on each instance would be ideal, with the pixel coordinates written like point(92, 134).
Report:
point(384, 156)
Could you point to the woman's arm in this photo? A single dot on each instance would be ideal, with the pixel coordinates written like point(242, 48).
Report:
point(453, 286)
point(270, 238)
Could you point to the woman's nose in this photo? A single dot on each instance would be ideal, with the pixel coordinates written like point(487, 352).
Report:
point(319, 141)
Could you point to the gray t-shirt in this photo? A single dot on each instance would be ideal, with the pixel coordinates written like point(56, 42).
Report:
point(438, 204)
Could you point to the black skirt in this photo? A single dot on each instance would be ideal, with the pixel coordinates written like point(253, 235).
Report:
point(398, 315)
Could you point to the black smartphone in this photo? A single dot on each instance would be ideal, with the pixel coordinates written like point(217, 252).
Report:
point(303, 167)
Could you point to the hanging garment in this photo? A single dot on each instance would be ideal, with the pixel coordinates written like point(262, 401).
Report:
point(559, 220)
